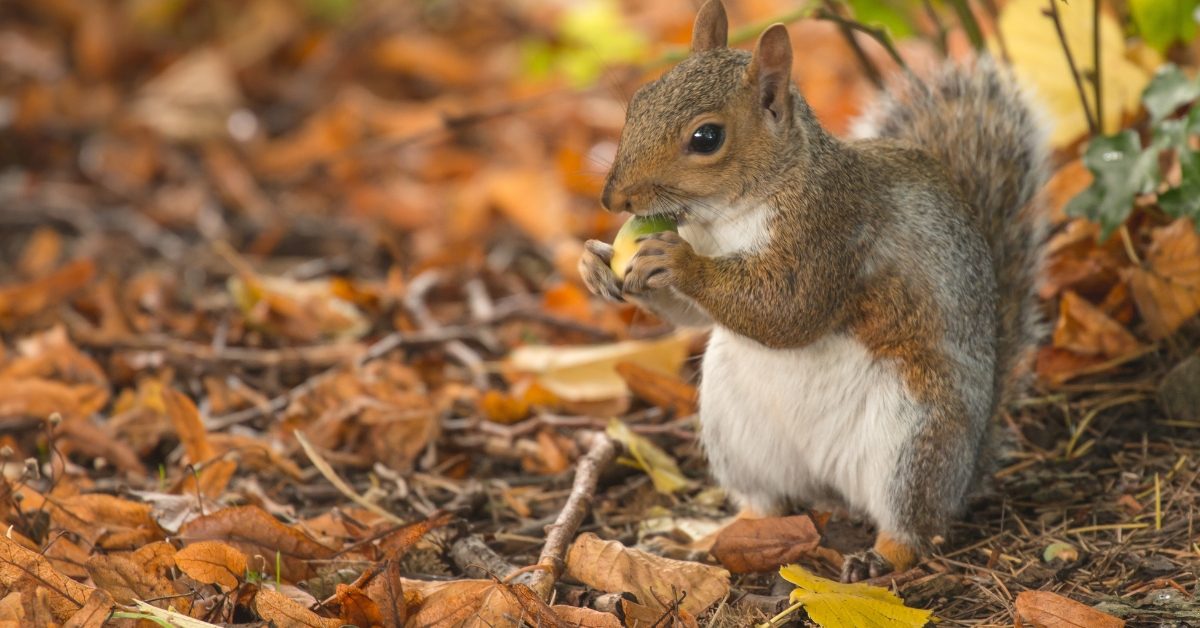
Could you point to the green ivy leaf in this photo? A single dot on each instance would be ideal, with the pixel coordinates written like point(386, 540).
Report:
point(883, 13)
point(1164, 22)
point(1168, 91)
point(1183, 201)
point(1122, 170)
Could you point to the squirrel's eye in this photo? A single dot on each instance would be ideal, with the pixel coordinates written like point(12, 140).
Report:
point(707, 139)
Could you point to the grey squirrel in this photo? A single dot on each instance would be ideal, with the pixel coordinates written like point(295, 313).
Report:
point(871, 301)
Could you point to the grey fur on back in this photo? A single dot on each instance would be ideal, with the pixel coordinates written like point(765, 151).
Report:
point(976, 121)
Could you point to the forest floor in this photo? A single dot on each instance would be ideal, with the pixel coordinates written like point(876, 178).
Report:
point(291, 331)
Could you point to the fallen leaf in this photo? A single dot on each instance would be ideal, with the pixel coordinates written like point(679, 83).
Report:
point(94, 613)
point(356, 608)
point(753, 545)
point(656, 581)
point(26, 299)
point(1083, 329)
point(192, 98)
point(259, 535)
point(213, 562)
point(1044, 609)
point(127, 581)
point(588, 373)
point(579, 617)
point(645, 455)
point(834, 605)
point(476, 604)
point(186, 419)
point(1167, 289)
point(666, 391)
point(275, 607)
point(27, 571)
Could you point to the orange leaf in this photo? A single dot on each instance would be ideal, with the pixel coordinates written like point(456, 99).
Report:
point(186, 419)
point(278, 608)
point(259, 535)
point(1051, 610)
point(28, 571)
point(213, 562)
point(1082, 328)
point(356, 608)
point(665, 391)
point(26, 299)
point(94, 613)
point(1167, 290)
point(127, 581)
point(752, 545)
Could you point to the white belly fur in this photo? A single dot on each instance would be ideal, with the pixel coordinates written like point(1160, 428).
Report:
point(785, 426)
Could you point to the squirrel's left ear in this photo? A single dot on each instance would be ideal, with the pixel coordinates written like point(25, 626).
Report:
point(711, 29)
point(771, 71)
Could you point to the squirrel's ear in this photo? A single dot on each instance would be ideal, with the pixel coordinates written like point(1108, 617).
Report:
point(711, 29)
point(771, 71)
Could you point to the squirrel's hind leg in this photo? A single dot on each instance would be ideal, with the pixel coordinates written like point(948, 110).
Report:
point(890, 554)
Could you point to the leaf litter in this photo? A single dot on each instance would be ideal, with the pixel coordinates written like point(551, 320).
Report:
point(360, 221)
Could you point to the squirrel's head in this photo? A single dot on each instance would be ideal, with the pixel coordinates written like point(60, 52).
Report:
point(710, 128)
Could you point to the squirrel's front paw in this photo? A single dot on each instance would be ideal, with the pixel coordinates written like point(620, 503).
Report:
point(863, 565)
point(598, 275)
point(658, 262)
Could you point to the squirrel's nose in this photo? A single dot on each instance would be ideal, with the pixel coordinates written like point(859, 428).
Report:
point(613, 200)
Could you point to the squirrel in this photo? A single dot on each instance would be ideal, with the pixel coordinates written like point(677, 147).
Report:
point(872, 301)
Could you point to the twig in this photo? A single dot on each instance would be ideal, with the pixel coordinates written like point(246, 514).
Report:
point(994, 13)
point(939, 26)
point(969, 23)
point(1052, 13)
point(848, 34)
point(477, 560)
point(341, 485)
point(1096, 82)
point(601, 451)
point(878, 34)
point(414, 302)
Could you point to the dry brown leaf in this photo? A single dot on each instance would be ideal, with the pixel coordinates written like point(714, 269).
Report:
point(12, 611)
point(186, 419)
point(1084, 329)
point(192, 98)
point(642, 615)
point(753, 545)
point(588, 373)
point(579, 617)
point(104, 520)
point(41, 252)
point(1044, 609)
point(479, 603)
point(213, 562)
point(356, 608)
point(39, 398)
point(663, 390)
point(27, 571)
point(1167, 290)
point(397, 543)
point(127, 581)
point(387, 590)
point(157, 558)
point(656, 581)
point(22, 300)
point(94, 613)
point(278, 608)
point(258, 534)
point(209, 481)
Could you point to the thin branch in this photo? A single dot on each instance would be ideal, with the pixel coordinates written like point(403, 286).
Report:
point(868, 66)
point(1096, 82)
point(601, 451)
point(969, 23)
point(878, 34)
point(336, 480)
point(994, 13)
point(939, 26)
point(1052, 13)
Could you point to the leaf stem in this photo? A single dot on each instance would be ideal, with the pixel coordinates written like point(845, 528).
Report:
point(969, 23)
point(1052, 13)
point(775, 621)
point(1096, 82)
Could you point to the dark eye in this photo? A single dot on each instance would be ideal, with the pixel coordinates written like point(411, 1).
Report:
point(707, 139)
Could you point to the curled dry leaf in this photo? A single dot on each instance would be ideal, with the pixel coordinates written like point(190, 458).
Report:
point(1167, 289)
point(751, 545)
point(94, 613)
point(665, 391)
point(588, 373)
point(259, 535)
point(645, 455)
point(1084, 329)
point(656, 581)
point(27, 571)
point(213, 562)
point(273, 606)
point(1044, 609)
point(477, 604)
point(580, 617)
point(356, 608)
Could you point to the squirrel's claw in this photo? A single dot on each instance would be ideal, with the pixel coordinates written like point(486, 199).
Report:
point(863, 565)
point(654, 266)
point(596, 273)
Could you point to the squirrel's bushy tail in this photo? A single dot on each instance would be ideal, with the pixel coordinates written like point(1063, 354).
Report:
point(978, 123)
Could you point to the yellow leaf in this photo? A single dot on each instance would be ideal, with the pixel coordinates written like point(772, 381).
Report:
point(658, 464)
point(834, 605)
point(1037, 56)
point(588, 373)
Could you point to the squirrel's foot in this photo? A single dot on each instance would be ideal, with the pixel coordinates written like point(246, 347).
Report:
point(657, 260)
point(863, 565)
point(597, 273)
